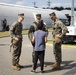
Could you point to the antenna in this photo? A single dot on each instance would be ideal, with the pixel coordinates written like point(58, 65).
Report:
point(49, 3)
point(34, 3)
point(72, 13)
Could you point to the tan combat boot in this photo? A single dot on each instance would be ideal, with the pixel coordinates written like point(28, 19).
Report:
point(56, 66)
point(16, 68)
point(53, 64)
point(18, 65)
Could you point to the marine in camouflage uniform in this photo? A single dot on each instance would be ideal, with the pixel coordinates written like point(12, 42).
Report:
point(59, 30)
point(16, 36)
point(33, 28)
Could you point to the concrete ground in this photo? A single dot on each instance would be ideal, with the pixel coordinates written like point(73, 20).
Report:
point(68, 59)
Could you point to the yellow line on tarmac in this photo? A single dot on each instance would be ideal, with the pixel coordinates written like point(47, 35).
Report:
point(66, 46)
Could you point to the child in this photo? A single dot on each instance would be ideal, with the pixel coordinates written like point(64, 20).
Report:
point(39, 38)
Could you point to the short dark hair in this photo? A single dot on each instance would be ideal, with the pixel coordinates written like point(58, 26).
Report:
point(52, 14)
point(40, 25)
point(21, 14)
point(38, 15)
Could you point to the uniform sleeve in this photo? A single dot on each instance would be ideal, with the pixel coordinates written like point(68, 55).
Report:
point(64, 29)
point(12, 29)
point(30, 32)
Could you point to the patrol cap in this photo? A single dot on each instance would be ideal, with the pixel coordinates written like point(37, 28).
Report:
point(21, 14)
point(52, 14)
point(38, 15)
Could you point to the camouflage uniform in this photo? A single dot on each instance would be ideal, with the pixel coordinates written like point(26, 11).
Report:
point(32, 29)
point(16, 31)
point(58, 28)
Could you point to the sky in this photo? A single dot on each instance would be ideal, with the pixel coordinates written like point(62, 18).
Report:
point(40, 3)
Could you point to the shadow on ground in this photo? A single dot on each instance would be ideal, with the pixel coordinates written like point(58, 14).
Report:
point(4, 44)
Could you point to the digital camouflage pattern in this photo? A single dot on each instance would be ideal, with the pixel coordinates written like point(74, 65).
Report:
point(58, 28)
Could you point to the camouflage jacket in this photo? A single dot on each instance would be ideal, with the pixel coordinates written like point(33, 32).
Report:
point(59, 28)
point(16, 30)
point(33, 28)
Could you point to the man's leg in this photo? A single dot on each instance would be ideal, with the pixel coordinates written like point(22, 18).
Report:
point(16, 55)
point(35, 62)
point(33, 56)
point(41, 58)
point(19, 53)
point(57, 54)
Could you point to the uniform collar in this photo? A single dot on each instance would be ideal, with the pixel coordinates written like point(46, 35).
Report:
point(56, 20)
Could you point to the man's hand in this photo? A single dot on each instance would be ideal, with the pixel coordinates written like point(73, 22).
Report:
point(16, 39)
point(58, 35)
point(57, 38)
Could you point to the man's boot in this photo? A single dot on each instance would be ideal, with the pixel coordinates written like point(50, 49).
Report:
point(56, 66)
point(16, 68)
point(18, 65)
point(53, 64)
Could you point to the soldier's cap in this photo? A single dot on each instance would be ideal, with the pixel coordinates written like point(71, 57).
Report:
point(52, 14)
point(21, 14)
point(38, 15)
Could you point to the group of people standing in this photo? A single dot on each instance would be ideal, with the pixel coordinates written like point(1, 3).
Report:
point(4, 24)
point(5, 27)
point(37, 34)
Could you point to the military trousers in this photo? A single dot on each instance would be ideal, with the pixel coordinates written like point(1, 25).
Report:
point(16, 52)
point(57, 51)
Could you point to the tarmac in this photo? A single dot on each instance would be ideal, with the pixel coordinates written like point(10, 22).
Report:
point(68, 65)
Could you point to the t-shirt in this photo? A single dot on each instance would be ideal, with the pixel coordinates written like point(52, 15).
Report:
point(39, 36)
